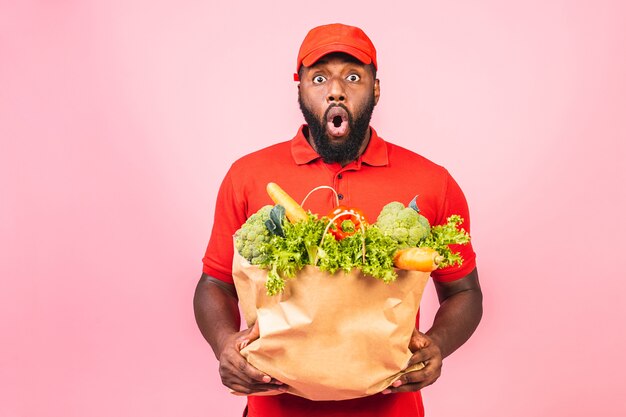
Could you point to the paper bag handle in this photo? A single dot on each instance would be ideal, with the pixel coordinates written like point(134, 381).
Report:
point(321, 187)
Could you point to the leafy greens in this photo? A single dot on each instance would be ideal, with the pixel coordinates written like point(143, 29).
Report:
point(289, 247)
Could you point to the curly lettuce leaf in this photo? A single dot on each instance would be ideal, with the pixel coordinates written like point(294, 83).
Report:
point(289, 253)
point(442, 236)
point(295, 245)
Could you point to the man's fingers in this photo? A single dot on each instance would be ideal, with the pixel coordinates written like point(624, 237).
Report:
point(407, 387)
point(250, 373)
point(416, 380)
point(430, 353)
point(254, 386)
point(254, 333)
point(418, 341)
point(243, 388)
point(238, 374)
point(247, 336)
point(234, 366)
point(249, 380)
point(420, 356)
point(421, 375)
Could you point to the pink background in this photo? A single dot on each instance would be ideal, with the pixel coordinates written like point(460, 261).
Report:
point(118, 120)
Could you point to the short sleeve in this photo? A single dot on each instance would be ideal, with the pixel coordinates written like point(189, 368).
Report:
point(454, 202)
point(230, 214)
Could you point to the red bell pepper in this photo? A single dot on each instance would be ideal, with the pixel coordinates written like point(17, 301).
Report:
point(346, 221)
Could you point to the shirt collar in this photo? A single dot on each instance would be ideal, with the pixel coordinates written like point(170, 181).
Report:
point(375, 154)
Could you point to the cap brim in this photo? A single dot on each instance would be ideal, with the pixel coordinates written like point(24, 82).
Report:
point(318, 53)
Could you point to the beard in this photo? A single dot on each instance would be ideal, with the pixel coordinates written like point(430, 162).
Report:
point(348, 150)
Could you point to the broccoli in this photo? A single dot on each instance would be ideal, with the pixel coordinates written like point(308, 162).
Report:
point(403, 224)
point(252, 238)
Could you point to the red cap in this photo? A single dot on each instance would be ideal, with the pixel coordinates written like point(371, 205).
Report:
point(335, 37)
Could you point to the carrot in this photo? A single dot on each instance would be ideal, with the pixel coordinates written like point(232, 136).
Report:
point(293, 210)
point(417, 259)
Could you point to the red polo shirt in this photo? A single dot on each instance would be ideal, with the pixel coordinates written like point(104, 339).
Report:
point(384, 173)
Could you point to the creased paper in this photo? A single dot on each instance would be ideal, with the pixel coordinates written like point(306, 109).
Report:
point(330, 337)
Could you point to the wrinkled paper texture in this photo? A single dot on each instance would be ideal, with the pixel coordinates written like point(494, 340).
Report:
point(330, 337)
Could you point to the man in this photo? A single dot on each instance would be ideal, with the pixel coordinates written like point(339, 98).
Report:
point(337, 92)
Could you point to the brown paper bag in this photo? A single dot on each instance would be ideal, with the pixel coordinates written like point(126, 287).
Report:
point(330, 337)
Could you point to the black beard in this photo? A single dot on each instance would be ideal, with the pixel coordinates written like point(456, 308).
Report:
point(348, 150)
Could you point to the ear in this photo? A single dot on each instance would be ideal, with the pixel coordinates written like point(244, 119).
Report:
point(376, 91)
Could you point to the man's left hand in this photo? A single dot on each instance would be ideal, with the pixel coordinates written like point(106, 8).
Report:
point(424, 350)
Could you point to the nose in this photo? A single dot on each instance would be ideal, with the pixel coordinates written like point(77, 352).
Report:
point(336, 92)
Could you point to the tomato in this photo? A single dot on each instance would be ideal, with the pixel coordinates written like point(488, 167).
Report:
point(347, 221)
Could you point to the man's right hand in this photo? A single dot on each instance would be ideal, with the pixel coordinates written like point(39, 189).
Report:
point(217, 315)
point(238, 375)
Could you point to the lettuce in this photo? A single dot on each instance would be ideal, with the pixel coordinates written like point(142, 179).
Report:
point(292, 246)
point(442, 236)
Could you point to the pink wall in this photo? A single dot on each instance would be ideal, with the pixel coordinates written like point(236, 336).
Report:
point(118, 120)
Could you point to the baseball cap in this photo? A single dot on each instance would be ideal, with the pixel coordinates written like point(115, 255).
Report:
point(336, 37)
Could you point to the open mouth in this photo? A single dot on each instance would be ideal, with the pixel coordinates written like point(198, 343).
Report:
point(337, 121)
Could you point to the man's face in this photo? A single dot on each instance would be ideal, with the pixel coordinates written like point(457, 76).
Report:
point(337, 96)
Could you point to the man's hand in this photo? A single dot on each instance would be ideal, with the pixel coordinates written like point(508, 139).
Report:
point(252, 335)
point(460, 310)
point(237, 374)
point(217, 315)
point(424, 350)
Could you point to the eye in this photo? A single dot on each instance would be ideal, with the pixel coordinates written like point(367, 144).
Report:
point(353, 78)
point(318, 79)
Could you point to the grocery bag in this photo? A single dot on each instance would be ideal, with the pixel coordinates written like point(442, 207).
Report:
point(330, 336)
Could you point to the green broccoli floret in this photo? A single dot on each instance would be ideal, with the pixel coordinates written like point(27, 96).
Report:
point(252, 238)
point(403, 224)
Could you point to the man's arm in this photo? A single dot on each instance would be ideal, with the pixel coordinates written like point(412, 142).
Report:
point(217, 315)
point(460, 311)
